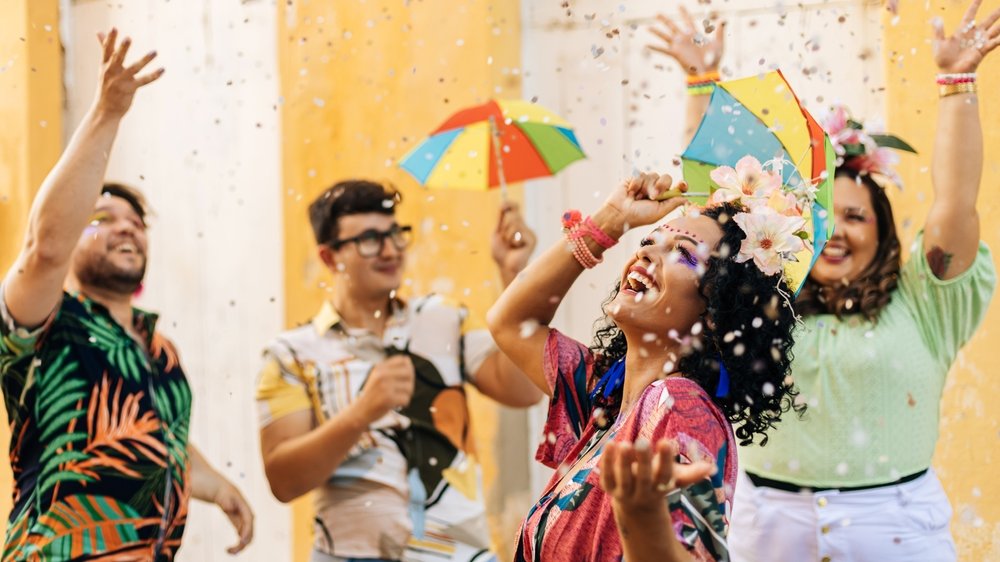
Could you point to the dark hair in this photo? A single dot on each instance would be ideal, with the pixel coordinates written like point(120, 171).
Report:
point(872, 290)
point(131, 195)
point(747, 324)
point(350, 197)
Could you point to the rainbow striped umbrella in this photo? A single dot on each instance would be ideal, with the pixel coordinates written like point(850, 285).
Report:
point(760, 116)
point(491, 144)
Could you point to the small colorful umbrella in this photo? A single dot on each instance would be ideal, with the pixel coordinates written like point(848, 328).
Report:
point(760, 116)
point(489, 145)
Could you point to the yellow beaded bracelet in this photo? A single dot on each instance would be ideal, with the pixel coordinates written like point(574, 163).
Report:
point(701, 89)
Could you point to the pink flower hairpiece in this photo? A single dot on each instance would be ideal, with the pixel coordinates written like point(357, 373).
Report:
point(867, 150)
point(773, 218)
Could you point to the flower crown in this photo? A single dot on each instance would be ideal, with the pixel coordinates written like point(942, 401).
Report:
point(773, 217)
point(867, 150)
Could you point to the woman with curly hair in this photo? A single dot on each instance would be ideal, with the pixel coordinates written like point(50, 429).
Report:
point(696, 338)
point(851, 480)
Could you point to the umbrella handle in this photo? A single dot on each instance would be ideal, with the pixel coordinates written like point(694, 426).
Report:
point(671, 193)
point(495, 133)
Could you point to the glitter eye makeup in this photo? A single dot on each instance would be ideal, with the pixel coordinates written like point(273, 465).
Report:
point(103, 216)
point(687, 258)
point(99, 217)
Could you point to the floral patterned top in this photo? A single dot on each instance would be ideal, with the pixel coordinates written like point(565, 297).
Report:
point(99, 437)
point(573, 520)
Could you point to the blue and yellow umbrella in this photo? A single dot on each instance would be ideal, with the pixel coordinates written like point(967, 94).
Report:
point(761, 117)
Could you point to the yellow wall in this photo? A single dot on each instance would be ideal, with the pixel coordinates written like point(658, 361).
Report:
point(30, 138)
point(968, 444)
point(361, 83)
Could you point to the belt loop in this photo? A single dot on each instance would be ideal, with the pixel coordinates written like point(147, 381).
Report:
point(903, 494)
point(759, 492)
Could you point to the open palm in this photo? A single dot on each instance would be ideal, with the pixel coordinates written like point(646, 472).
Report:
point(697, 50)
point(968, 46)
point(118, 82)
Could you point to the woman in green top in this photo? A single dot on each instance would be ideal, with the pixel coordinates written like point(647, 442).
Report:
point(851, 480)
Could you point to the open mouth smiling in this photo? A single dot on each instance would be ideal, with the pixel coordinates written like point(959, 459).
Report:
point(638, 281)
point(127, 248)
point(835, 253)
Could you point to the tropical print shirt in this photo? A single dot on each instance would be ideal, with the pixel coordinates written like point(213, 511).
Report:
point(573, 520)
point(99, 432)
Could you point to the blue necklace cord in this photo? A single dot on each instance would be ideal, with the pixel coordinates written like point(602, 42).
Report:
point(722, 390)
point(611, 380)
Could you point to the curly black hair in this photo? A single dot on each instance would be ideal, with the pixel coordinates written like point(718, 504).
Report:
point(747, 324)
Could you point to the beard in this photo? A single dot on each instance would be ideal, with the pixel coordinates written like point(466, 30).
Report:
point(100, 272)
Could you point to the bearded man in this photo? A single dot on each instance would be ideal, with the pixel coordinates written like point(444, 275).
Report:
point(98, 404)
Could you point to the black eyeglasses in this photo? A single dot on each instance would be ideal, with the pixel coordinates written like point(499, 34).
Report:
point(371, 242)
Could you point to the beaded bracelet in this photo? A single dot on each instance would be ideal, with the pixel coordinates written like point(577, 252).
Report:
point(701, 90)
point(574, 225)
point(597, 235)
point(582, 252)
point(701, 84)
point(576, 229)
point(710, 76)
point(946, 90)
point(959, 78)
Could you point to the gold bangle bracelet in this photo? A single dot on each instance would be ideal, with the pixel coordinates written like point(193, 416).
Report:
point(946, 90)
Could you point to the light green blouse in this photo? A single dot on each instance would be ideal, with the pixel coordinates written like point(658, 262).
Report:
point(873, 390)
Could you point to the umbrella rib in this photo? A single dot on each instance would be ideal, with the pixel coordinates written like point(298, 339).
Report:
point(797, 163)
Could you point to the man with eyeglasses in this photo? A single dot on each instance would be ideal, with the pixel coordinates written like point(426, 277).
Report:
point(365, 404)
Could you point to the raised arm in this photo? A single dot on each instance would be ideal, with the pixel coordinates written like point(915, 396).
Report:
point(519, 320)
point(512, 244)
point(951, 235)
point(698, 50)
point(65, 201)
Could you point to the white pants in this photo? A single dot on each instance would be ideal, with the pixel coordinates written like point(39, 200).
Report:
point(906, 522)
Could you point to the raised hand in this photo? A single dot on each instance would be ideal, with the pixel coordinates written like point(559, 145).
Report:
point(513, 242)
point(968, 46)
point(697, 49)
point(118, 83)
point(638, 478)
point(645, 199)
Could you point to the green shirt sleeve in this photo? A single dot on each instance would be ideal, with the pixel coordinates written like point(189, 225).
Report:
point(947, 312)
